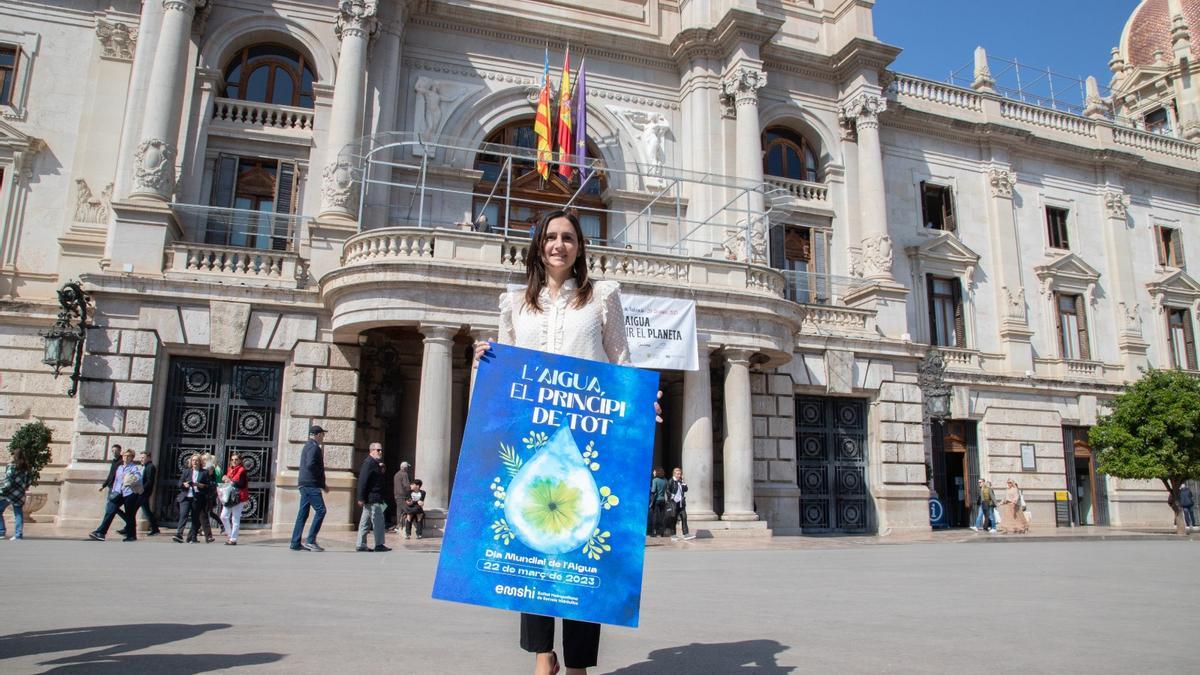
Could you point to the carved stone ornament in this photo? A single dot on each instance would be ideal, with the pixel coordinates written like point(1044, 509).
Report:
point(1132, 317)
point(435, 98)
point(337, 181)
point(653, 130)
point(1115, 204)
point(88, 207)
point(735, 244)
point(116, 39)
point(877, 256)
point(861, 111)
point(1002, 181)
point(740, 87)
point(357, 18)
point(154, 167)
point(1014, 304)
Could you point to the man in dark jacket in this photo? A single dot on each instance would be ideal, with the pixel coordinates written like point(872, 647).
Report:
point(372, 497)
point(149, 478)
point(1186, 502)
point(112, 468)
point(400, 489)
point(312, 484)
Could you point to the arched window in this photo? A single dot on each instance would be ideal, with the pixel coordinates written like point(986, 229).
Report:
point(270, 73)
point(788, 155)
point(529, 195)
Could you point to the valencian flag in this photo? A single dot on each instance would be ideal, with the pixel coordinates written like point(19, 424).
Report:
point(565, 136)
point(580, 118)
point(541, 122)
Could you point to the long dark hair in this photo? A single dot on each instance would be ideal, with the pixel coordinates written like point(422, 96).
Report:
point(535, 267)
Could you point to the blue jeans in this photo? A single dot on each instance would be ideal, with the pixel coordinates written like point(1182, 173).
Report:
point(1189, 516)
point(979, 513)
point(310, 497)
point(18, 516)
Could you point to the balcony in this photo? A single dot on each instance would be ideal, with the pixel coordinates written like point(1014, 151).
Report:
point(276, 121)
point(235, 246)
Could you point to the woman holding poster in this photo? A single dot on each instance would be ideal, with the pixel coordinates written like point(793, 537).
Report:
point(561, 311)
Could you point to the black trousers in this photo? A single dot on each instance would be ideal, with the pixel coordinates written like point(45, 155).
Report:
point(680, 519)
point(144, 506)
point(581, 639)
point(126, 507)
point(189, 512)
point(658, 517)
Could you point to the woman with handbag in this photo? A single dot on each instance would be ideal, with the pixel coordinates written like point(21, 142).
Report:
point(1013, 519)
point(236, 492)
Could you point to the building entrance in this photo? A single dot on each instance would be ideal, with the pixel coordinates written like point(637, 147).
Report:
point(221, 407)
point(1089, 501)
point(955, 469)
point(831, 463)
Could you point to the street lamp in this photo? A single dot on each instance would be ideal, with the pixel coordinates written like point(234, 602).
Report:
point(931, 375)
point(63, 343)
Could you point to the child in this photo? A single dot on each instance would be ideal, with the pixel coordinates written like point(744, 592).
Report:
point(414, 509)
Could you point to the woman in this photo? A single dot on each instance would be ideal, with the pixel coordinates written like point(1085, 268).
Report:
point(562, 311)
point(210, 509)
point(12, 492)
point(1013, 519)
point(231, 516)
point(658, 504)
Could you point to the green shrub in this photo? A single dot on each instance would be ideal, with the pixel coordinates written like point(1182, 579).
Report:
point(32, 442)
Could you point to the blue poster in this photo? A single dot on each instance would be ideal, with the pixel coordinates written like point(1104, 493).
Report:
point(548, 512)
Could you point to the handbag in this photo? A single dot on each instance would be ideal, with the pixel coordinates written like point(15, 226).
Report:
point(228, 493)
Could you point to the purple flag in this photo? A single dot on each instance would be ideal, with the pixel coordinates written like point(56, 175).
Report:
point(580, 119)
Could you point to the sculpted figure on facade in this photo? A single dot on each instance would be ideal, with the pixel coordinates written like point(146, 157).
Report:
point(433, 97)
point(740, 87)
point(1014, 304)
point(1115, 204)
point(1002, 182)
point(154, 167)
point(88, 207)
point(735, 244)
point(337, 181)
point(652, 130)
point(357, 18)
point(1130, 312)
point(117, 40)
point(877, 256)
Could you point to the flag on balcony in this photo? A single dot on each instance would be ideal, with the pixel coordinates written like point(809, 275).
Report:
point(565, 137)
point(541, 122)
point(580, 117)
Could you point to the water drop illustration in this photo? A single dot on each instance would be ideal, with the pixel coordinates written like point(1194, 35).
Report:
point(552, 504)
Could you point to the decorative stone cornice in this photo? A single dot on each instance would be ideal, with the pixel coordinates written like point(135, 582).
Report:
point(116, 39)
point(1116, 203)
point(1002, 181)
point(740, 86)
point(357, 19)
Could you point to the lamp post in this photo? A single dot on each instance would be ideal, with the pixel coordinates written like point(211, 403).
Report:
point(63, 343)
point(931, 374)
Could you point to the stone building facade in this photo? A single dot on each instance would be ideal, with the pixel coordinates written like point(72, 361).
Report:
point(199, 166)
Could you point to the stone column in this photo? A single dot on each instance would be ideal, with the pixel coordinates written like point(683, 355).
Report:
point(1010, 291)
point(135, 102)
point(739, 438)
point(154, 161)
point(1130, 339)
point(698, 439)
point(741, 87)
point(355, 25)
point(433, 417)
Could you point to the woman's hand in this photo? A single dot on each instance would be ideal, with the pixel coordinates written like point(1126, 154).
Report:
point(482, 348)
point(658, 409)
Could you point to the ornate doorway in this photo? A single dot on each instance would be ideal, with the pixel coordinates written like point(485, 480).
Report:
point(221, 407)
point(831, 463)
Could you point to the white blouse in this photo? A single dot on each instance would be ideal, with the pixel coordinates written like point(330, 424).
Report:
point(595, 331)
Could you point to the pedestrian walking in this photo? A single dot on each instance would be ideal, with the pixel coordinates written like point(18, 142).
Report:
point(658, 504)
point(985, 507)
point(194, 485)
point(123, 494)
point(13, 487)
point(1014, 517)
point(1186, 502)
point(414, 509)
point(113, 465)
point(149, 482)
point(562, 311)
point(373, 500)
point(312, 487)
point(401, 483)
point(677, 503)
point(212, 510)
point(237, 494)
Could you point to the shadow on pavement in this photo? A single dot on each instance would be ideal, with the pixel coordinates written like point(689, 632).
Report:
point(756, 656)
point(113, 644)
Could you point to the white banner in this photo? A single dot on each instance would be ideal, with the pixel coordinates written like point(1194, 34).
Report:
point(662, 332)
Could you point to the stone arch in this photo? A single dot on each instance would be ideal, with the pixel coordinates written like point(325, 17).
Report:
point(243, 32)
point(795, 116)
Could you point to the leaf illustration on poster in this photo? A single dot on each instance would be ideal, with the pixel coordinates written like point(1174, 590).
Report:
point(549, 504)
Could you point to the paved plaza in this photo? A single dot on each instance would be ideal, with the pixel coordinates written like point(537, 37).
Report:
point(1036, 606)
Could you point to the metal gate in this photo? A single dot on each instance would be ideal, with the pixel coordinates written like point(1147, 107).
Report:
point(831, 463)
point(221, 407)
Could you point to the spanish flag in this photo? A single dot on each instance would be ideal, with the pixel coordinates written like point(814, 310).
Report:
point(541, 123)
point(565, 137)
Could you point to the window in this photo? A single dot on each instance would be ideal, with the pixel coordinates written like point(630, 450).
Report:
point(1056, 227)
point(1181, 338)
point(530, 195)
point(937, 207)
point(1072, 326)
point(264, 194)
point(803, 255)
point(9, 57)
point(788, 155)
point(947, 324)
point(270, 74)
point(1158, 121)
point(1170, 246)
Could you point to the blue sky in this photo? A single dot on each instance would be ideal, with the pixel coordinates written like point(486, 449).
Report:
point(1071, 37)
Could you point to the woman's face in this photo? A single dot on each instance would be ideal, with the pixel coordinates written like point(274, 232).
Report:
point(677, 474)
point(561, 247)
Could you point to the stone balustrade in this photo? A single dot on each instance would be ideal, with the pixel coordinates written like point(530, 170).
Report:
point(1145, 140)
point(960, 359)
point(262, 116)
point(937, 92)
point(190, 259)
point(800, 189)
point(1075, 369)
point(834, 320)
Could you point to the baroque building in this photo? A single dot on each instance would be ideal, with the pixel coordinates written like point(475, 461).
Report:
point(289, 212)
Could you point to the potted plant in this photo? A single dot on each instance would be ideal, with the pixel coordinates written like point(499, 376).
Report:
point(32, 442)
